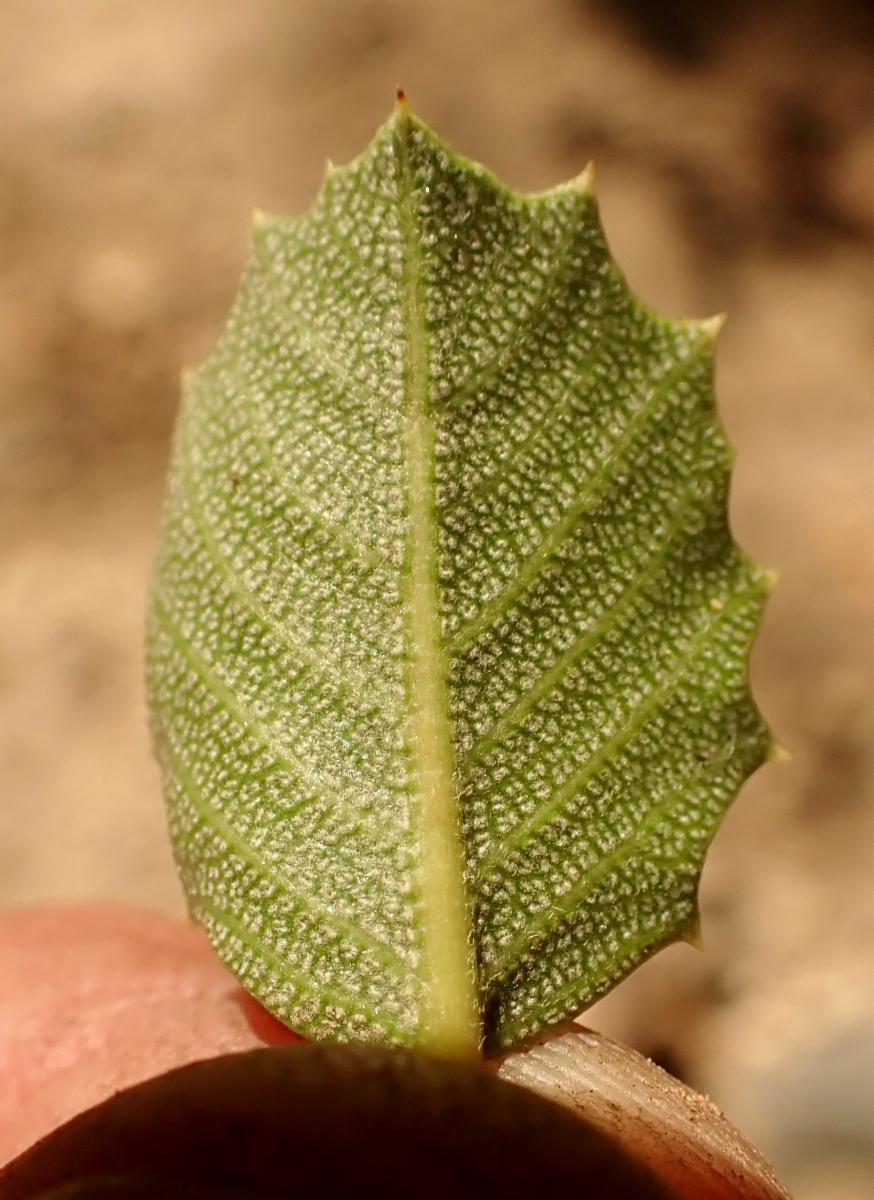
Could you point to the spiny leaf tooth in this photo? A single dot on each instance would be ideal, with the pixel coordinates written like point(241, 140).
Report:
point(584, 183)
point(779, 753)
point(693, 934)
point(710, 326)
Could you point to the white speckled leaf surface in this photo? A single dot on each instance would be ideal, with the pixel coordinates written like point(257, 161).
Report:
point(448, 633)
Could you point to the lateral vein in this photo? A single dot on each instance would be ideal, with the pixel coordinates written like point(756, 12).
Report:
point(223, 827)
point(237, 710)
point(279, 965)
point(542, 925)
point(626, 732)
point(351, 687)
point(545, 684)
point(532, 567)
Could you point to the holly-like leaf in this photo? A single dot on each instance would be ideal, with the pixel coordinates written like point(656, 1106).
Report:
point(448, 634)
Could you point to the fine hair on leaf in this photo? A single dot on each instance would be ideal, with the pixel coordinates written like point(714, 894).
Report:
point(448, 634)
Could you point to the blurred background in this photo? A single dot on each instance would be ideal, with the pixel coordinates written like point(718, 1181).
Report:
point(734, 142)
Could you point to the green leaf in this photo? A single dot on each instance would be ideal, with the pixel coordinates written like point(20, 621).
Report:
point(448, 634)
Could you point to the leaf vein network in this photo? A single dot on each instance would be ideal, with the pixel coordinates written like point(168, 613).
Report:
point(367, 555)
point(502, 469)
point(609, 619)
point(625, 733)
point(562, 906)
point(501, 362)
point(246, 718)
point(323, 992)
point(532, 567)
point(338, 678)
point(243, 848)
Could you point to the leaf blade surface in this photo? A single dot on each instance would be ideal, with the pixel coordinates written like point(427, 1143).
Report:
point(448, 636)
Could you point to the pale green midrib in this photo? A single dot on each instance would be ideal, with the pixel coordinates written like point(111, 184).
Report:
point(513, 716)
point(202, 805)
point(620, 737)
point(561, 907)
point(531, 568)
point(450, 1013)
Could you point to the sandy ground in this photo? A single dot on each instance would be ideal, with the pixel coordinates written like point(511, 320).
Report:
point(736, 172)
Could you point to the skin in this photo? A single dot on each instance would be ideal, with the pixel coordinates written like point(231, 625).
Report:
point(95, 999)
point(99, 997)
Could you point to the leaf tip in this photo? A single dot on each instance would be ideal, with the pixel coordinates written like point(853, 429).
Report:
point(402, 104)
